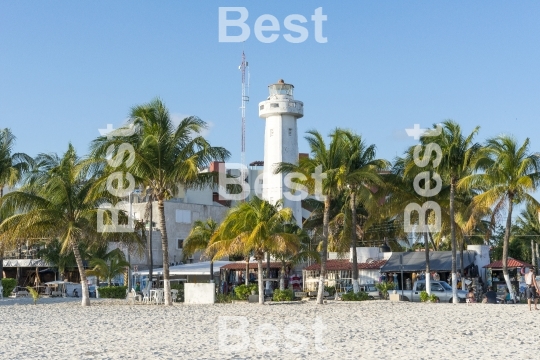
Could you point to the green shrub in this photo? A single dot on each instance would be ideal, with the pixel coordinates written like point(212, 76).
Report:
point(330, 289)
point(283, 295)
point(33, 292)
point(242, 292)
point(225, 298)
point(180, 288)
point(424, 297)
point(112, 292)
point(384, 287)
point(8, 284)
point(359, 296)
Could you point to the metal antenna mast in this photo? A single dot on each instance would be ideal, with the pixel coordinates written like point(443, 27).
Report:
point(245, 98)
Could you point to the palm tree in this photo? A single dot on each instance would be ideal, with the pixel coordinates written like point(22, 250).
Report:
point(330, 162)
point(509, 174)
point(55, 203)
point(528, 228)
point(199, 239)
point(12, 167)
point(293, 256)
point(359, 177)
point(52, 254)
point(163, 156)
point(108, 266)
point(458, 152)
point(255, 226)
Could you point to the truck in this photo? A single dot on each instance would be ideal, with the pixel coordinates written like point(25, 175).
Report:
point(440, 289)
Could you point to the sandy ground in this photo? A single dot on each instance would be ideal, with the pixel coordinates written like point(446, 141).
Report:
point(62, 329)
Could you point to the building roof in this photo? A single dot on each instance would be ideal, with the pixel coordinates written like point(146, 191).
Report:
point(241, 265)
point(345, 264)
point(415, 261)
point(257, 163)
point(512, 264)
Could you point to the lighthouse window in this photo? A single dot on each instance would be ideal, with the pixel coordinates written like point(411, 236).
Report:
point(290, 131)
point(271, 132)
point(261, 107)
point(274, 105)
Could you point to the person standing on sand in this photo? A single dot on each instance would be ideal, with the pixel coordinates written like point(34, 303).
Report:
point(532, 288)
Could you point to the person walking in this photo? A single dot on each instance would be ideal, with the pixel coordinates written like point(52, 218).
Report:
point(532, 288)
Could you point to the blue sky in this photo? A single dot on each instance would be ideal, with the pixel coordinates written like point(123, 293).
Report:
point(69, 68)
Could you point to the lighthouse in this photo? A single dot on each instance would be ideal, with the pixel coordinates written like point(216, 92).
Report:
point(280, 111)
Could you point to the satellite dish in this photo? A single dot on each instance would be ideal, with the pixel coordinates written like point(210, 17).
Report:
point(369, 260)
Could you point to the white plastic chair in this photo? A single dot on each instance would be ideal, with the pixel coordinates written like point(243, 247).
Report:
point(146, 296)
point(158, 297)
point(135, 295)
point(174, 295)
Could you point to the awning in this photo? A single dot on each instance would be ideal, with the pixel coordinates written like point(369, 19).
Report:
point(200, 268)
point(25, 263)
point(415, 261)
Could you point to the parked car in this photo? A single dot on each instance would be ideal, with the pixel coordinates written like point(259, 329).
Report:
point(370, 289)
point(441, 289)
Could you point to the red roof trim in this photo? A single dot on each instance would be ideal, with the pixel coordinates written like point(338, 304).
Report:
point(512, 263)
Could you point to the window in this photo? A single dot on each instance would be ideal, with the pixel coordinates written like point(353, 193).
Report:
point(260, 181)
point(420, 286)
point(274, 105)
point(183, 216)
point(290, 131)
point(436, 287)
point(261, 107)
point(271, 132)
point(179, 244)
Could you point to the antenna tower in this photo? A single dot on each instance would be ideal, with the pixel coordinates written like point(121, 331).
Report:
point(245, 98)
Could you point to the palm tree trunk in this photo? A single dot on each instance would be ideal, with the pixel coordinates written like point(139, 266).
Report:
point(353, 243)
point(150, 253)
point(82, 273)
point(282, 277)
point(260, 277)
point(435, 247)
point(165, 249)
point(1, 262)
point(246, 277)
point(453, 238)
point(324, 250)
point(505, 246)
point(268, 270)
point(532, 252)
point(537, 258)
point(212, 271)
point(428, 277)
point(461, 263)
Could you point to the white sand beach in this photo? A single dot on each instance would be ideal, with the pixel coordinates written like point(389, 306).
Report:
point(60, 328)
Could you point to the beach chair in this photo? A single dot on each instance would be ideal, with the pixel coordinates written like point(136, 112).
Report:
point(130, 297)
point(158, 297)
point(146, 296)
point(174, 295)
point(136, 296)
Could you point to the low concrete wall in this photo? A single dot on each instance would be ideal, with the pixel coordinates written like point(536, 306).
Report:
point(199, 293)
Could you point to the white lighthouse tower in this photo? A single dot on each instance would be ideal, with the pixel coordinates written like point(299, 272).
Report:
point(280, 142)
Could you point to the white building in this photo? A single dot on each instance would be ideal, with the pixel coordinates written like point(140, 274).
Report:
point(180, 215)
